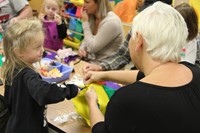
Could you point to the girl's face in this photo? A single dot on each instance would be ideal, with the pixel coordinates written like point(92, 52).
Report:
point(90, 7)
point(51, 7)
point(34, 52)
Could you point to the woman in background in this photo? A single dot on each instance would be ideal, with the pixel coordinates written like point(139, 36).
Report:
point(103, 31)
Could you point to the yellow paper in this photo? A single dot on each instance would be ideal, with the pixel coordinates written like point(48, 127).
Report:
point(81, 105)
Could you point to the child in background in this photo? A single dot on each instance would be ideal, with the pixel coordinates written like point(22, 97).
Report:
point(26, 93)
point(189, 52)
point(55, 27)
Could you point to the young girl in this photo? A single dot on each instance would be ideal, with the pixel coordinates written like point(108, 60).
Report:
point(55, 27)
point(25, 92)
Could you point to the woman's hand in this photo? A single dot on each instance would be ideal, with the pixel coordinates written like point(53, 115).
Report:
point(91, 96)
point(91, 67)
point(82, 53)
point(84, 15)
point(92, 77)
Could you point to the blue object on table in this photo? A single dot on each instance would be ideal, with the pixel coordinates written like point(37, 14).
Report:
point(64, 69)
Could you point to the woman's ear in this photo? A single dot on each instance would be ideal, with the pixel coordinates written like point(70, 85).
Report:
point(140, 41)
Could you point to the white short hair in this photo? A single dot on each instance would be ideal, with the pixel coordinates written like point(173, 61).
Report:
point(164, 31)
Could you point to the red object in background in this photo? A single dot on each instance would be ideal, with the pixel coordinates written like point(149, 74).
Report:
point(4, 18)
point(101, 82)
point(78, 12)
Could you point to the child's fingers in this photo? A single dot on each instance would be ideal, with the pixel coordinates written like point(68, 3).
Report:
point(56, 15)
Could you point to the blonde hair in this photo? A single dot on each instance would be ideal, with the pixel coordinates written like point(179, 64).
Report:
point(59, 2)
point(19, 35)
point(103, 8)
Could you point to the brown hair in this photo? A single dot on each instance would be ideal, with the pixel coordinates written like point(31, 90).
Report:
point(190, 17)
point(103, 8)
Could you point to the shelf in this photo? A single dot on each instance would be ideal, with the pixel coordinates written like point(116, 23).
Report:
point(69, 16)
point(76, 32)
point(71, 44)
point(75, 2)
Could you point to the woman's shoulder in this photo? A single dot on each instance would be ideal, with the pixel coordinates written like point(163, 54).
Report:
point(112, 16)
point(194, 68)
point(112, 21)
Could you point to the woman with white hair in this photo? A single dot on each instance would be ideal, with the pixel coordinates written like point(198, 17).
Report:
point(164, 95)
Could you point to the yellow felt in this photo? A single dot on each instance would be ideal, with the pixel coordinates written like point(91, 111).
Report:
point(81, 105)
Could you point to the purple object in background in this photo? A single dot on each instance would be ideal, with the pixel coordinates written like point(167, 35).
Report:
point(52, 39)
point(113, 85)
point(50, 55)
point(70, 58)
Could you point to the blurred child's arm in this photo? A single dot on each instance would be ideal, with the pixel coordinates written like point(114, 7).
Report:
point(73, 90)
point(47, 93)
point(62, 30)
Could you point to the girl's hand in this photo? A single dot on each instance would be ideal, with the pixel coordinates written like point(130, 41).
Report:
point(91, 96)
point(57, 19)
point(84, 15)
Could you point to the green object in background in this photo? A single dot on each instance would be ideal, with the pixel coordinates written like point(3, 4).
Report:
point(1, 37)
point(117, 1)
point(79, 29)
point(1, 62)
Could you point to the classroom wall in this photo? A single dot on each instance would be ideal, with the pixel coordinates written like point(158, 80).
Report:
point(36, 4)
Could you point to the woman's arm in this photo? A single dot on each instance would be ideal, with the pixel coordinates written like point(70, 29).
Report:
point(23, 9)
point(104, 36)
point(95, 113)
point(25, 12)
point(123, 77)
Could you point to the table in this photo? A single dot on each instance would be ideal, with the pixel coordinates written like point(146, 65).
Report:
point(66, 107)
point(63, 108)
